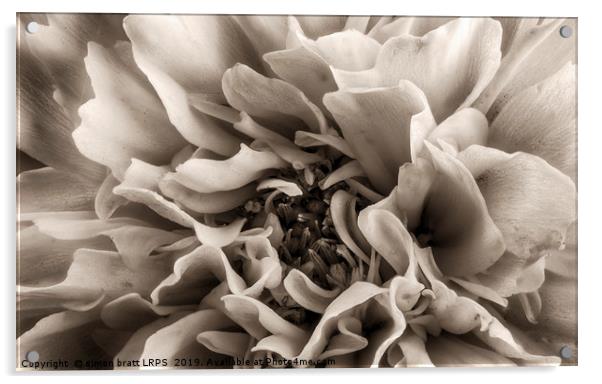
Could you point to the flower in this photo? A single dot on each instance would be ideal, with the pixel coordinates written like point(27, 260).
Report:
point(207, 191)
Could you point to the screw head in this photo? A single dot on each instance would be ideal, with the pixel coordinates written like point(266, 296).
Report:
point(566, 31)
point(32, 356)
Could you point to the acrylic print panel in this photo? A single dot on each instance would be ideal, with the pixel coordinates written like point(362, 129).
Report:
point(220, 191)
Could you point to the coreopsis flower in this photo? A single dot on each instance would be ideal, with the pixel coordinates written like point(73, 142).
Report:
point(257, 191)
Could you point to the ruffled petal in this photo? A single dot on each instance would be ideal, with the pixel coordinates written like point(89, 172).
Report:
point(194, 275)
point(542, 120)
point(106, 202)
point(207, 176)
point(274, 103)
point(348, 340)
point(384, 127)
point(356, 294)
point(452, 64)
point(309, 139)
point(349, 50)
point(273, 332)
point(306, 293)
point(345, 221)
point(267, 33)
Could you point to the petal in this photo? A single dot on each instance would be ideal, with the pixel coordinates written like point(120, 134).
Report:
point(538, 61)
point(464, 128)
point(273, 332)
point(309, 139)
point(44, 129)
point(349, 50)
point(44, 260)
point(207, 176)
point(542, 120)
point(306, 293)
point(416, 26)
point(414, 351)
point(345, 221)
point(344, 172)
point(131, 312)
point(388, 237)
point(106, 202)
point(215, 202)
point(62, 45)
point(63, 336)
point(381, 126)
point(138, 126)
point(356, 294)
point(48, 190)
point(452, 64)
point(233, 344)
point(316, 26)
point(132, 350)
point(458, 216)
point(173, 68)
point(267, 33)
point(194, 275)
point(534, 214)
point(274, 103)
point(348, 340)
point(451, 351)
point(281, 146)
point(179, 338)
point(305, 69)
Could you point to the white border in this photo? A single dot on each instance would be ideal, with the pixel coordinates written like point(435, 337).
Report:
point(590, 140)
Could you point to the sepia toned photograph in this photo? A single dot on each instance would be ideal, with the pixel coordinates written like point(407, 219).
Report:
point(295, 191)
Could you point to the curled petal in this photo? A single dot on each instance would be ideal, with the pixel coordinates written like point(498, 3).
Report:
point(139, 127)
point(344, 172)
point(345, 221)
point(349, 50)
point(310, 139)
point(385, 127)
point(356, 294)
point(307, 293)
point(348, 340)
point(279, 104)
point(194, 275)
point(414, 351)
point(207, 176)
point(106, 202)
point(287, 187)
point(452, 64)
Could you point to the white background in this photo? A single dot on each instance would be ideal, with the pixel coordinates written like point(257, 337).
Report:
point(590, 193)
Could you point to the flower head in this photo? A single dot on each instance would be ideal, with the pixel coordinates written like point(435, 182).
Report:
point(304, 191)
